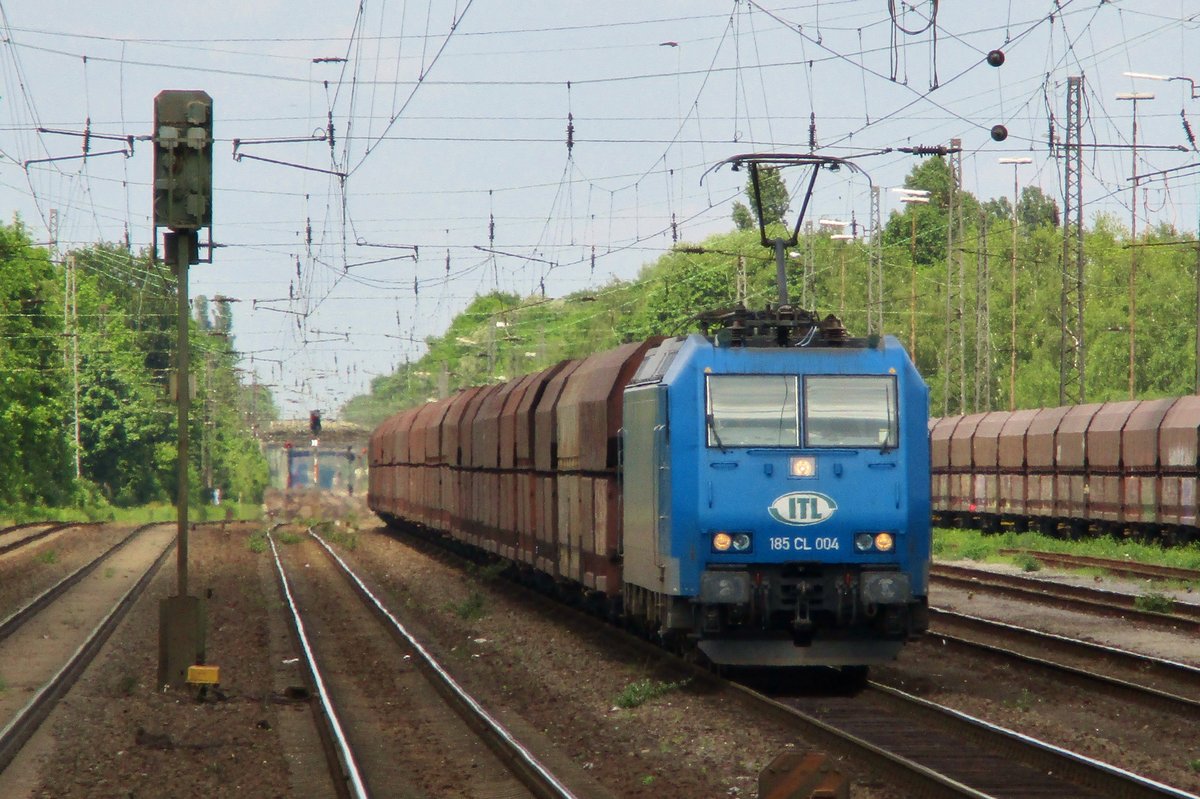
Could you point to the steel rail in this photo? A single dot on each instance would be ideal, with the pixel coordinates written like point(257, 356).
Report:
point(1115, 566)
point(351, 775)
point(1143, 662)
point(531, 771)
point(920, 779)
point(1136, 692)
point(54, 528)
point(14, 621)
point(1079, 769)
point(1092, 600)
point(26, 722)
point(25, 525)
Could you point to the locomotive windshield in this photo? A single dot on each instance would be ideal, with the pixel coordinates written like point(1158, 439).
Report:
point(752, 411)
point(850, 411)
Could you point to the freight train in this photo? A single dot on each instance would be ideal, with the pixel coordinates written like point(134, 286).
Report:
point(758, 493)
point(1119, 468)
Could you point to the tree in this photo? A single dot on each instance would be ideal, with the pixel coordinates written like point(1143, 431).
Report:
point(774, 194)
point(34, 459)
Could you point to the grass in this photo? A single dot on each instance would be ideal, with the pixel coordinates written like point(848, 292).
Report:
point(257, 542)
point(47, 556)
point(142, 514)
point(1154, 602)
point(344, 540)
point(1022, 702)
point(642, 691)
point(473, 608)
point(288, 538)
point(1194, 765)
point(954, 544)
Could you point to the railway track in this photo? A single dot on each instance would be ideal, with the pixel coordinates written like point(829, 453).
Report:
point(1144, 680)
point(401, 741)
point(66, 626)
point(929, 750)
point(1183, 616)
point(935, 751)
point(1124, 568)
point(22, 535)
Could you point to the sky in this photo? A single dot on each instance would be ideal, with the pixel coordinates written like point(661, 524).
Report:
point(417, 152)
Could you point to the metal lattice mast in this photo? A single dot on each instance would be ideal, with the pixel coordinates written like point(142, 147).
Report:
point(808, 292)
point(1071, 349)
point(983, 320)
point(875, 278)
point(954, 288)
point(956, 168)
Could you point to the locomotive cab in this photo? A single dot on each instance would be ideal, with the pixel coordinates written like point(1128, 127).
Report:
point(776, 497)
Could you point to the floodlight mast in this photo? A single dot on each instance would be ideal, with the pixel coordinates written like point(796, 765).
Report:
point(779, 161)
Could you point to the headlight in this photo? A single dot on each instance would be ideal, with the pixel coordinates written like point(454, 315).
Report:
point(739, 543)
point(884, 542)
point(863, 542)
point(802, 466)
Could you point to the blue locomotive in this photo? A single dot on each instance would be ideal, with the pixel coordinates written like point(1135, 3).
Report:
point(776, 498)
point(760, 492)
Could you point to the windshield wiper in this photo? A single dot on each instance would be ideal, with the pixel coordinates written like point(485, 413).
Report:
point(712, 425)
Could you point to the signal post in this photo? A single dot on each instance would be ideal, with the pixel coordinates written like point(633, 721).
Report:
point(183, 204)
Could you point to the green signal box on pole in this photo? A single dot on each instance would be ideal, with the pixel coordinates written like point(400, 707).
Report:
point(183, 169)
point(183, 160)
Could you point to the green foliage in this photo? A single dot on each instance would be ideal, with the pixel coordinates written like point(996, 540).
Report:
point(1027, 563)
point(257, 542)
point(1154, 602)
point(642, 691)
point(344, 540)
point(772, 198)
point(473, 608)
point(120, 334)
point(1023, 701)
point(288, 538)
point(47, 556)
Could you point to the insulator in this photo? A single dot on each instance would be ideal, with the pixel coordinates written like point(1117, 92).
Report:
point(812, 131)
point(570, 133)
point(1187, 130)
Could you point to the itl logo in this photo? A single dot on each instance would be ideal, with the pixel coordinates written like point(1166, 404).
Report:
point(802, 508)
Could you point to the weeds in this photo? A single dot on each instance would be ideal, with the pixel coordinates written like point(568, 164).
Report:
point(1194, 765)
point(1027, 563)
point(347, 541)
point(1023, 702)
point(472, 608)
point(491, 571)
point(1154, 602)
point(288, 538)
point(126, 685)
point(643, 691)
point(47, 556)
point(257, 542)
